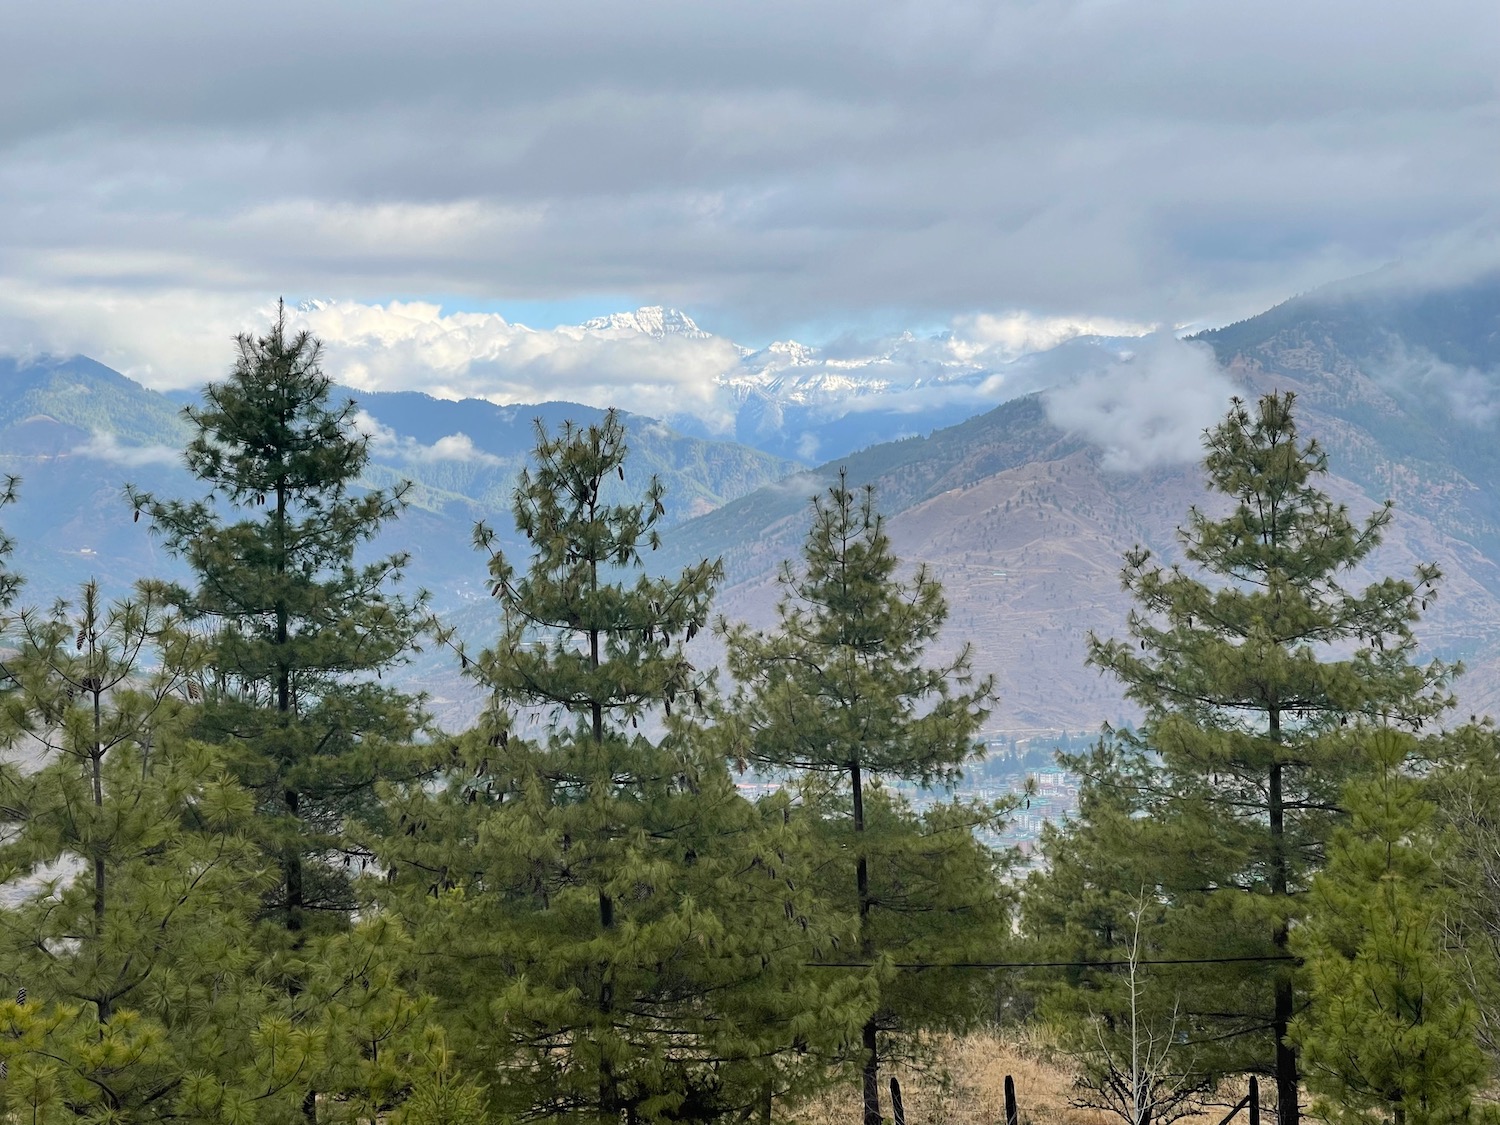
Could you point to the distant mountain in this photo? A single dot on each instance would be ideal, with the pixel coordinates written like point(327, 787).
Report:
point(791, 399)
point(796, 401)
point(1023, 521)
point(1026, 527)
point(1407, 381)
point(652, 320)
point(809, 403)
point(80, 392)
point(75, 431)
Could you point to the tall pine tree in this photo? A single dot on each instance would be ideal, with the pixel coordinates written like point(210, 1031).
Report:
point(841, 697)
point(301, 630)
point(1248, 671)
point(1464, 788)
point(1390, 1033)
point(131, 877)
point(610, 927)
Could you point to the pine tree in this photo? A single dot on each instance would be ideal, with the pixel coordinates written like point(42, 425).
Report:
point(380, 1053)
point(607, 922)
point(1464, 788)
point(1247, 672)
point(840, 697)
point(1389, 1033)
point(1093, 900)
point(131, 879)
point(10, 582)
point(301, 631)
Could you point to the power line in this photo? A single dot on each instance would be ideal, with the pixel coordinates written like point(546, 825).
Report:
point(921, 965)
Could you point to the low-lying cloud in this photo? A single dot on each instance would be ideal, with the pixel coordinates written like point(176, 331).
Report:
point(1472, 395)
point(387, 444)
point(1149, 408)
point(105, 446)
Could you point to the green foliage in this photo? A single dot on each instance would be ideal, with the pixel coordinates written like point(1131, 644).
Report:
point(1127, 1028)
point(609, 927)
point(133, 880)
point(131, 876)
point(440, 1095)
point(1389, 1032)
point(1465, 791)
point(839, 696)
point(10, 582)
point(843, 682)
point(299, 628)
point(1247, 672)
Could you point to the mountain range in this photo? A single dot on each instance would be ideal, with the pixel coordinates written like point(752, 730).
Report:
point(803, 402)
point(1023, 516)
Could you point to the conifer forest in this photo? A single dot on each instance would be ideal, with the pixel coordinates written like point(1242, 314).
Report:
point(248, 880)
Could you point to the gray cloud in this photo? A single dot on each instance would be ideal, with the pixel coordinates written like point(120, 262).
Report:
point(386, 443)
point(104, 446)
point(1149, 408)
point(764, 165)
point(1471, 394)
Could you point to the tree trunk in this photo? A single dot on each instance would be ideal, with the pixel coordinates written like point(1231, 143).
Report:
point(292, 871)
point(869, 1042)
point(1288, 1112)
point(861, 864)
point(871, 1075)
point(101, 873)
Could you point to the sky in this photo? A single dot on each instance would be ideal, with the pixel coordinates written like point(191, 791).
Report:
point(785, 168)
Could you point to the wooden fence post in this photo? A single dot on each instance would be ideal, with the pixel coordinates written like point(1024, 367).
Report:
point(897, 1108)
point(1012, 1117)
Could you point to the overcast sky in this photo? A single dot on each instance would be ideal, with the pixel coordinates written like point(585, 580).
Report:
point(775, 168)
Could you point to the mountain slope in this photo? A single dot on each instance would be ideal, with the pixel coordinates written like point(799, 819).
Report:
point(1026, 528)
point(1406, 384)
point(76, 431)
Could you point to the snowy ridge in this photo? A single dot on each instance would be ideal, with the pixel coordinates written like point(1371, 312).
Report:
point(788, 398)
point(650, 320)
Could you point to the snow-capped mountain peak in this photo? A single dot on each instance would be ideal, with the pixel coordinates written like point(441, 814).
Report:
point(649, 320)
point(789, 353)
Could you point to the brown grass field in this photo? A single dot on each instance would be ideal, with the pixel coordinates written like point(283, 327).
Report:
point(967, 1087)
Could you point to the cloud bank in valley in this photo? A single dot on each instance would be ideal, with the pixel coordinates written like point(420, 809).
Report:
point(387, 444)
point(105, 446)
point(1149, 408)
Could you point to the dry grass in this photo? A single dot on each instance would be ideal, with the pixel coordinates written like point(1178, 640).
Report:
point(967, 1087)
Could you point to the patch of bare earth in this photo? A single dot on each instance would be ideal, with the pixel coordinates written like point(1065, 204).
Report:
point(966, 1086)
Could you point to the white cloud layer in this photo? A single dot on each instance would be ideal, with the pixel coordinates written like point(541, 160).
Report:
point(413, 346)
point(387, 444)
point(104, 446)
point(1150, 408)
point(987, 336)
point(1472, 394)
point(634, 361)
point(167, 167)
